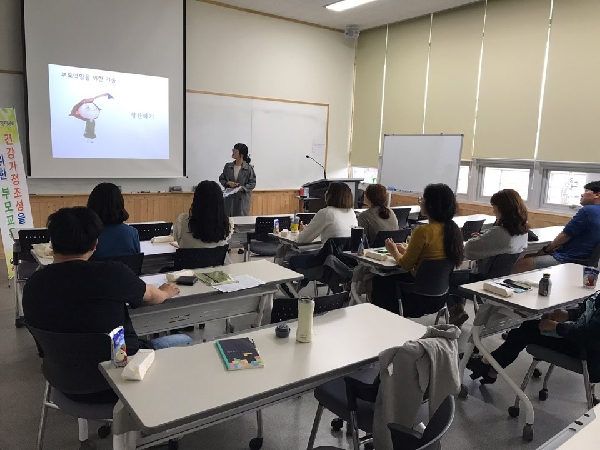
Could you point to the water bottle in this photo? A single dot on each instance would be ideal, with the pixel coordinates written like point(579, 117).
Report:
point(295, 223)
point(306, 309)
point(545, 286)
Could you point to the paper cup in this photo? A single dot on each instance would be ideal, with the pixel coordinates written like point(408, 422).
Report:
point(590, 277)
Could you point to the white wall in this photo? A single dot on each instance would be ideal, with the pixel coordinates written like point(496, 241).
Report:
point(232, 52)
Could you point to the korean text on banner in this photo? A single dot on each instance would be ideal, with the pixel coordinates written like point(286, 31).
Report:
point(15, 211)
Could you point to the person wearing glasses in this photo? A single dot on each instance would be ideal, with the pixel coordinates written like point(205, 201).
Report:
point(577, 240)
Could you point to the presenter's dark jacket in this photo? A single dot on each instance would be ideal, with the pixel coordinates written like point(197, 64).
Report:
point(238, 204)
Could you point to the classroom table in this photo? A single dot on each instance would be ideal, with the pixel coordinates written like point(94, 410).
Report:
point(414, 210)
point(583, 433)
point(188, 388)
point(201, 303)
point(366, 267)
point(499, 313)
point(460, 220)
point(545, 235)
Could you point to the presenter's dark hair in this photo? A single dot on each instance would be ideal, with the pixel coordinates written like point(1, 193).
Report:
point(243, 150)
point(208, 220)
point(107, 201)
point(440, 204)
point(339, 195)
point(593, 186)
point(74, 231)
point(377, 196)
point(513, 212)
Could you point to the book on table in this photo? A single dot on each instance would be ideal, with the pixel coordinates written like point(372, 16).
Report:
point(215, 278)
point(239, 353)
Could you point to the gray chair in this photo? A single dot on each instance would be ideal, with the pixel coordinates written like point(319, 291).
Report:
point(501, 266)
point(305, 218)
point(285, 309)
point(397, 235)
point(577, 365)
point(134, 262)
point(402, 216)
point(197, 258)
point(470, 227)
point(25, 264)
point(429, 292)
point(79, 375)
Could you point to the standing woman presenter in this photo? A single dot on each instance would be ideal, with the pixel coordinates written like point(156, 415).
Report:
point(238, 173)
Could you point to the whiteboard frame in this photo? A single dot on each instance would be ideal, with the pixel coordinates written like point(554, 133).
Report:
point(462, 140)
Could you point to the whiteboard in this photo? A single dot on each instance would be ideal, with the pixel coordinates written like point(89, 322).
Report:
point(279, 135)
point(410, 162)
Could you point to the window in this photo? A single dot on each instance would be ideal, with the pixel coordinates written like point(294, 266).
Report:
point(463, 179)
point(368, 174)
point(498, 178)
point(565, 188)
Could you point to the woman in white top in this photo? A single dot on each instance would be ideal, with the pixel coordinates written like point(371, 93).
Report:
point(207, 224)
point(507, 236)
point(334, 221)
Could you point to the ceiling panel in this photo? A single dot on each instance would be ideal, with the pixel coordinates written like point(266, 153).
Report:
point(376, 13)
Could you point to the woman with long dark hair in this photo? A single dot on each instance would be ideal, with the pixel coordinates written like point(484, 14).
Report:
point(117, 238)
point(239, 174)
point(441, 238)
point(507, 236)
point(207, 224)
point(378, 217)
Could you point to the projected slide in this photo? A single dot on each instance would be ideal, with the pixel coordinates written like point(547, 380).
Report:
point(103, 114)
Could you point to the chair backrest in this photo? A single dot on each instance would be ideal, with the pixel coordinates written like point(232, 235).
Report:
point(436, 428)
point(264, 225)
point(594, 258)
point(29, 237)
point(502, 265)
point(197, 258)
point(70, 360)
point(397, 235)
point(147, 231)
point(402, 216)
point(305, 218)
point(134, 262)
point(285, 309)
point(470, 227)
point(433, 277)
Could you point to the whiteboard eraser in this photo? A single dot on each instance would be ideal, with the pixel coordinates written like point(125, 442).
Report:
point(497, 289)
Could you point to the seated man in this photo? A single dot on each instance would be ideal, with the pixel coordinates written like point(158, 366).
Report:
point(578, 239)
point(564, 331)
point(75, 295)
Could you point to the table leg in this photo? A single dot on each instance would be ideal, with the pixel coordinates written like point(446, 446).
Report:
point(484, 314)
point(264, 310)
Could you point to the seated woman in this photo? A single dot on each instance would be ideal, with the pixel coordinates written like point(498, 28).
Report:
point(207, 224)
point(507, 236)
point(378, 217)
point(117, 238)
point(564, 331)
point(334, 221)
point(439, 239)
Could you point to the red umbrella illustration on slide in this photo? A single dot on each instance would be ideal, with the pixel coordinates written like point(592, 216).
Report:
point(88, 111)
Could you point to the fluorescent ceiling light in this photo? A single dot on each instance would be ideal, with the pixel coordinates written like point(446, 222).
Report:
point(343, 5)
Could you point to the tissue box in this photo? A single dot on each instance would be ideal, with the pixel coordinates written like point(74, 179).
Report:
point(173, 276)
point(497, 289)
point(161, 239)
point(138, 365)
point(375, 255)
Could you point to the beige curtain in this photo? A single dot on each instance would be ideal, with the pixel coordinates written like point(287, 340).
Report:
point(453, 69)
point(571, 114)
point(514, 46)
point(406, 69)
point(368, 95)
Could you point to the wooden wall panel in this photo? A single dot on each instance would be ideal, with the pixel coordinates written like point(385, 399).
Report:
point(537, 219)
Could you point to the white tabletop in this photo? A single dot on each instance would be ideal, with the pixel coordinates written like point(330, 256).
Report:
point(567, 287)
point(246, 221)
point(387, 263)
point(585, 438)
point(414, 209)
point(191, 383)
point(292, 238)
point(546, 234)
point(460, 220)
point(261, 269)
point(160, 248)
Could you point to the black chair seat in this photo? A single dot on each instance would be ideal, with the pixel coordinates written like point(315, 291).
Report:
point(26, 269)
point(264, 248)
point(332, 395)
point(556, 358)
point(92, 411)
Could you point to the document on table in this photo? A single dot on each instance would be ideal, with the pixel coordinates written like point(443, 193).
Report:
point(243, 282)
point(230, 191)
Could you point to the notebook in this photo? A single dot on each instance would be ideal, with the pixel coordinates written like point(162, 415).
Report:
point(239, 354)
point(215, 278)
